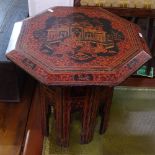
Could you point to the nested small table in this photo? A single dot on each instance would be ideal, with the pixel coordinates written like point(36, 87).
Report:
point(78, 54)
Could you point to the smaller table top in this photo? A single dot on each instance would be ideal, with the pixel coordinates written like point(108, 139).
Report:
point(78, 46)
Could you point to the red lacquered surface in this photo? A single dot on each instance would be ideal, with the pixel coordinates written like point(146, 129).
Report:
point(78, 46)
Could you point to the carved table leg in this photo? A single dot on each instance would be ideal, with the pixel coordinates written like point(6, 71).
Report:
point(62, 116)
point(106, 109)
point(90, 109)
point(44, 111)
point(62, 98)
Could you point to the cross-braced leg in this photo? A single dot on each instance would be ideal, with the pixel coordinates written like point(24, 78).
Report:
point(106, 109)
point(62, 116)
point(90, 109)
point(44, 111)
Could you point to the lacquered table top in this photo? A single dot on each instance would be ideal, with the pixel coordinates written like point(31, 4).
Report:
point(78, 46)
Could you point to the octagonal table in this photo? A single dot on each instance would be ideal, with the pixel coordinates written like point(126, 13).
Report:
point(87, 48)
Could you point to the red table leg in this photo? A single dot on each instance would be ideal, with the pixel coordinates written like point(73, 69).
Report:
point(62, 116)
point(90, 109)
point(44, 111)
point(59, 98)
point(105, 111)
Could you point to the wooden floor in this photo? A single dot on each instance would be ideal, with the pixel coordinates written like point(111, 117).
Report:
point(20, 129)
point(34, 138)
point(17, 124)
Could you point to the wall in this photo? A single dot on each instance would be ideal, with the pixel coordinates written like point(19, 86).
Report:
point(37, 6)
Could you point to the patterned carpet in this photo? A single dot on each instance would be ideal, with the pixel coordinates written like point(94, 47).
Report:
point(131, 128)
